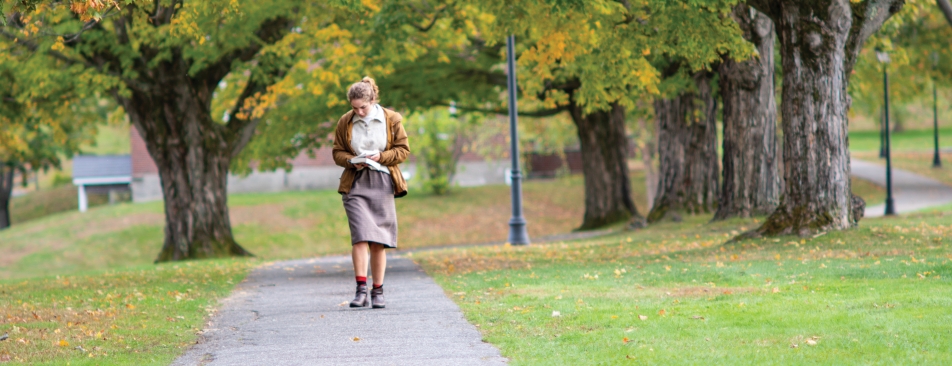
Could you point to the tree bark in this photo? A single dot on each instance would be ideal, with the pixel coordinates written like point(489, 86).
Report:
point(604, 146)
point(687, 152)
point(751, 184)
point(192, 154)
point(649, 145)
point(819, 43)
point(6, 191)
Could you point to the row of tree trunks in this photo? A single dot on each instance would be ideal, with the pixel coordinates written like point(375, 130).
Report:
point(752, 184)
point(687, 152)
point(604, 146)
point(819, 43)
point(192, 156)
point(6, 192)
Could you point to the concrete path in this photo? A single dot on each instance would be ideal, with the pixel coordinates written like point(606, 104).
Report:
point(911, 192)
point(296, 313)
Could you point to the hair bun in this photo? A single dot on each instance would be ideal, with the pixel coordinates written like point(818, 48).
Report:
point(370, 80)
point(365, 89)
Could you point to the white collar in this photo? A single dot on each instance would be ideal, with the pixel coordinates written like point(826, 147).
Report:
point(375, 114)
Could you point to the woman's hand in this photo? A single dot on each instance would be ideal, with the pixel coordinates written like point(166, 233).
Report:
point(360, 166)
point(374, 157)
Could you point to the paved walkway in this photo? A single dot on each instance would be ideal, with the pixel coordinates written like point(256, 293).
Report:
point(296, 313)
point(911, 192)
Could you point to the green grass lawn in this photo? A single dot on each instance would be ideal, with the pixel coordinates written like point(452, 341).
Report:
point(143, 315)
point(673, 294)
point(909, 140)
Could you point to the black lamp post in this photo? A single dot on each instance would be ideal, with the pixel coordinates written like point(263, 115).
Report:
point(882, 134)
point(936, 160)
point(517, 224)
point(883, 58)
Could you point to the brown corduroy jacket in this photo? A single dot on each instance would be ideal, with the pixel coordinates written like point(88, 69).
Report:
point(397, 151)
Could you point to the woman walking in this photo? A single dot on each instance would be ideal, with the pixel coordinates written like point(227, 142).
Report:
point(368, 187)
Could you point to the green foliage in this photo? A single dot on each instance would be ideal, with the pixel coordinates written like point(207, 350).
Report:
point(437, 140)
point(911, 37)
point(60, 179)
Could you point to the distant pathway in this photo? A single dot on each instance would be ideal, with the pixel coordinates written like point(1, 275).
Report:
point(911, 192)
point(296, 313)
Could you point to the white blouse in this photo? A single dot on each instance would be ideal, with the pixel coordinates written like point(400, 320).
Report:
point(369, 134)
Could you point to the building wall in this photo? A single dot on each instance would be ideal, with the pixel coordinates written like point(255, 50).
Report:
point(147, 187)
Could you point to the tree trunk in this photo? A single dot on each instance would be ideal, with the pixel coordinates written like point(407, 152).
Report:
point(649, 145)
point(604, 146)
point(819, 43)
point(6, 191)
point(751, 184)
point(687, 152)
point(192, 154)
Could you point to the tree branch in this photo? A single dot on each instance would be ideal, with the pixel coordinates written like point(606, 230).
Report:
point(536, 113)
point(432, 22)
point(33, 47)
point(492, 78)
point(868, 17)
point(946, 9)
point(270, 31)
point(768, 7)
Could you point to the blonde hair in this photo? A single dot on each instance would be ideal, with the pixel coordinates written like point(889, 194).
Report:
point(365, 89)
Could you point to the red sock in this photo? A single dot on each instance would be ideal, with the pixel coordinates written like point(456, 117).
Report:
point(361, 280)
point(378, 286)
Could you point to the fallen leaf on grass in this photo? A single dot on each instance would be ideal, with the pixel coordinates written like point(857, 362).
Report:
point(556, 313)
point(794, 345)
point(661, 312)
point(642, 317)
point(811, 342)
point(62, 343)
point(775, 290)
point(697, 317)
point(130, 306)
point(624, 340)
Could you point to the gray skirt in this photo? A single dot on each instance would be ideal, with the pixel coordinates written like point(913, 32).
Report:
point(371, 211)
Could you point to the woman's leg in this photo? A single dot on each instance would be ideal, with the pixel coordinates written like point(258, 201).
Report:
point(378, 263)
point(359, 255)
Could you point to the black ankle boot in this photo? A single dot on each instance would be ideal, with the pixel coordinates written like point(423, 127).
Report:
point(360, 299)
point(376, 297)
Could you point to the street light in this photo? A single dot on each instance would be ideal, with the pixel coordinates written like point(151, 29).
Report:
point(883, 58)
point(517, 224)
point(936, 161)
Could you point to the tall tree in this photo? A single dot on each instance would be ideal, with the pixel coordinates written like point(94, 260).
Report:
point(687, 150)
point(45, 115)
point(589, 58)
point(819, 44)
point(166, 59)
point(751, 176)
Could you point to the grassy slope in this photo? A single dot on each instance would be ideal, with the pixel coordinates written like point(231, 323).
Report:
point(673, 294)
point(286, 225)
